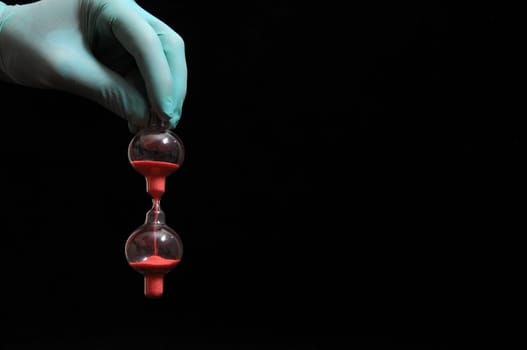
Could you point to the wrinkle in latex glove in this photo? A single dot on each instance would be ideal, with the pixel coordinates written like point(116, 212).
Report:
point(113, 52)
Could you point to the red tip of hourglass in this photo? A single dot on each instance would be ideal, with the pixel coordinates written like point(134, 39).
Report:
point(154, 269)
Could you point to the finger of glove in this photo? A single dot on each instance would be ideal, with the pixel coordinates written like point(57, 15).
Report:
point(174, 50)
point(85, 76)
point(141, 41)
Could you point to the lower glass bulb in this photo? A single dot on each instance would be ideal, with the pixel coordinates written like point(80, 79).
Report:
point(153, 250)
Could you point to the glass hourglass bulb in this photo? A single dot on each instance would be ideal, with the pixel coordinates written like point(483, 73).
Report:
point(156, 152)
point(154, 248)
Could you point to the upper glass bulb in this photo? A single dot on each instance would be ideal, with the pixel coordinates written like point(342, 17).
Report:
point(156, 152)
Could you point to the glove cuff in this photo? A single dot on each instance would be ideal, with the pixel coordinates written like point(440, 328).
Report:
point(3, 7)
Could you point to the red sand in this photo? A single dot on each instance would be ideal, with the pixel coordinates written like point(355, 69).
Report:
point(155, 173)
point(154, 268)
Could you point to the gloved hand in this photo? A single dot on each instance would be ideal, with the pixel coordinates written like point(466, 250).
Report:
point(110, 51)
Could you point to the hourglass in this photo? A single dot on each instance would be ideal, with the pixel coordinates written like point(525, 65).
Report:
point(154, 248)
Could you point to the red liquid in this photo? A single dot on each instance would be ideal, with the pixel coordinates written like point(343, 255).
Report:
point(155, 173)
point(154, 269)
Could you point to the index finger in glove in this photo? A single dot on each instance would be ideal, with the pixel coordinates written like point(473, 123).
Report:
point(139, 38)
point(174, 50)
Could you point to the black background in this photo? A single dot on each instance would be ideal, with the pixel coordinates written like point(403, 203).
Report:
point(339, 160)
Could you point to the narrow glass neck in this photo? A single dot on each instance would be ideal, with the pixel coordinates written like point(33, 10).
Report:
point(156, 123)
point(155, 215)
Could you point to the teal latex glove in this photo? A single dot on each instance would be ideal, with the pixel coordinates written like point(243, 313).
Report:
point(113, 52)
